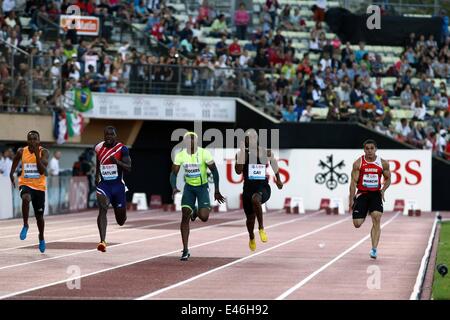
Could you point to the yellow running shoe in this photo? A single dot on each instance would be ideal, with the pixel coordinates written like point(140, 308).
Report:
point(102, 246)
point(263, 235)
point(252, 244)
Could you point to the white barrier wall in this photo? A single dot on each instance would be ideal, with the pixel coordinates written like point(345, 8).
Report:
point(6, 203)
point(314, 174)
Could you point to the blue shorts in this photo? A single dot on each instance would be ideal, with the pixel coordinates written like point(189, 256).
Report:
point(115, 192)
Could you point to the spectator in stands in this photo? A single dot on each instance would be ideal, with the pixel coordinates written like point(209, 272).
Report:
point(314, 45)
point(204, 14)
point(411, 41)
point(53, 165)
point(219, 27)
point(307, 114)
point(273, 6)
point(359, 54)
point(442, 142)
point(424, 85)
point(446, 120)
point(241, 21)
point(419, 109)
point(445, 24)
point(290, 115)
point(234, 50)
point(6, 162)
point(285, 18)
point(247, 83)
point(141, 11)
point(261, 60)
point(222, 47)
point(186, 46)
point(416, 135)
point(186, 31)
point(266, 20)
point(8, 6)
point(406, 97)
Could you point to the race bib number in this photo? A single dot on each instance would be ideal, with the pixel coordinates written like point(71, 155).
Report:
point(192, 170)
point(256, 171)
point(30, 171)
point(109, 171)
point(370, 180)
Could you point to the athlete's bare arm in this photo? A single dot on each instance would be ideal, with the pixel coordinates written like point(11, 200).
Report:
point(41, 160)
point(353, 183)
point(125, 163)
point(386, 176)
point(217, 195)
point(275, 168)
point(14, 165)
point(173, 179)
point(97, 172)
point(240, 159)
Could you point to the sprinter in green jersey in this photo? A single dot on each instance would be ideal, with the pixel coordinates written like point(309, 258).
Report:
point(195, 161)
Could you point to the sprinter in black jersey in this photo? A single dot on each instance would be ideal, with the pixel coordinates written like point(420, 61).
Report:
point(252, 161)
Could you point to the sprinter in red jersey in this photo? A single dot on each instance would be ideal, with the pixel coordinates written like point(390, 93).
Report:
point(366, 191)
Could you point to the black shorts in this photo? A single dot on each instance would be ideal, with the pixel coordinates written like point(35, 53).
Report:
point(262, 189)
point(37, 199)
point(367, 202)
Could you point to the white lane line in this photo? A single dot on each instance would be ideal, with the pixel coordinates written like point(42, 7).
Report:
point(116, 230)
point(121, 244)
point(325, 266)
point(160, 255)
point(48, 230)
point(415, 295)
point(51, 220)
point(178, 284)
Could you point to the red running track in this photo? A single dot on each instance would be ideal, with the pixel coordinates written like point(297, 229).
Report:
point(312, 256)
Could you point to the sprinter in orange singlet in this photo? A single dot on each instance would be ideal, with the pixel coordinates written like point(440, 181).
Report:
point(32, 183)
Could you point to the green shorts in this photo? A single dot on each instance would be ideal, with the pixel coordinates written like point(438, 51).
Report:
point(192, 193)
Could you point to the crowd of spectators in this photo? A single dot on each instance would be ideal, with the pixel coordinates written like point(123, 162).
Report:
point(267, 66)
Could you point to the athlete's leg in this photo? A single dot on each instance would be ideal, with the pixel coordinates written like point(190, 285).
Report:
point(257, 209)
point(26, 199)
point(375, 232)
point(187, 206)
point(38, 201)
point(203, 214)
point(251, 218)
point(119, 203)
point(121, 215)
point(204, 204)
point(360, 208)
point(358, 222)
point(41, 225)
point(184, 226)
point(102, 221)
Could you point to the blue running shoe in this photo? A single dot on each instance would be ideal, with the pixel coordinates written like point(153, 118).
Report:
point(373, 253)
point(42, 246)
point(23, 233)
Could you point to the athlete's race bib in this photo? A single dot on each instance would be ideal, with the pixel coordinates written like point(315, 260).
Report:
point(30, 171)
point(256, 171)
point(370, 180)
point(109, 171)
point(192, 170)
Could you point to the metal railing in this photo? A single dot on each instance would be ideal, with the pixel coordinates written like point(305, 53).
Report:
point(191, 80)
point(30, 87)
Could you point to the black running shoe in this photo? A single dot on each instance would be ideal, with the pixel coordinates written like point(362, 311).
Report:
point(185, 255)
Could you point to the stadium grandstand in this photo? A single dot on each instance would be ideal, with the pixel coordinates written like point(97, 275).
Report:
point(311, 71)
